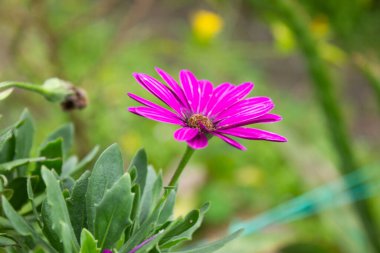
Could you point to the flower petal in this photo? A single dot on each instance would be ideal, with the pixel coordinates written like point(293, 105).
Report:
point(191, 88)
point(198, 142)
point(243, 112)
point(174, 86)
point(267, 118)
point(253, 134)
point(230, 141)
point(218, 94)
point(185, 133)
point(159, 90)
point(206, 93)
point(146, 102)
point(235, 95)
point(156, 114)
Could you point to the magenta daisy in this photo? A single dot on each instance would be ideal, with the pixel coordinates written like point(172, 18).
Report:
point(203, 110)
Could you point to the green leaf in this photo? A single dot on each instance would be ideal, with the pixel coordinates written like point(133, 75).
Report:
point(58, 212)
point(67, 185)
point(133, 173)
point(167, 210)
point(86, 160)
point(3, 182)
point(19, 162)
point(4, 223)
point(112, 213)
point(76, 204)
point(47, 228)
point(140, 162)
point(7, 145)
point(151, 193)
point(68, 166)
point(66, 133)
point(30, 193)
point(143, 232)
point(88, 243)
point(54, 156)
point(8, 193)
point(22, 226)
point(146, 229)
point(4, 94)
point(18, 185)
point(24, 133)
point(18, 223)
point(107, 170)
point(185, 229)
point(212, 247)
point(135, 211)
point(5, 240)
point(149, 243)
point(70, 245)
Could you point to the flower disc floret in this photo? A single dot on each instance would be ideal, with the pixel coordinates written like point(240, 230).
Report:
point(201, 122)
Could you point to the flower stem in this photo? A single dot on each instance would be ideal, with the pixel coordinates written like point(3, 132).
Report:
point(21, 85)
point(186, 157)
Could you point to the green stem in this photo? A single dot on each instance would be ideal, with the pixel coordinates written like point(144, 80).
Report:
point(181, 166)
point(185, 158)
point(24, 86)
point(323, 86)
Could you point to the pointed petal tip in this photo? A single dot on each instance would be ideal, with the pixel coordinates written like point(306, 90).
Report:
point(186, 72)
point(250, 84)
point(141, 76)
point(158, 69)
point(132, 110)
point(137, 76)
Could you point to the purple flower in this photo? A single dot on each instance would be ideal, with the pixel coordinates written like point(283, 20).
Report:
point(203, 111)
point(107, 251)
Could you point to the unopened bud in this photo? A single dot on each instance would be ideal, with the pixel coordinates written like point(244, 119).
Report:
point(76, 100)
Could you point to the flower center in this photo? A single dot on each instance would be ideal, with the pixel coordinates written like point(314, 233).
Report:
point(201, 122)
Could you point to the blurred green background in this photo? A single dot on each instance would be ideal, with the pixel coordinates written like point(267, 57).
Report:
point(318, 61)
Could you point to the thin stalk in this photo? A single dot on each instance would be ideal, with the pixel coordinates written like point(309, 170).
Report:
point(24, 86)
point(324, 90)
point(185, 158)
point(173, 182)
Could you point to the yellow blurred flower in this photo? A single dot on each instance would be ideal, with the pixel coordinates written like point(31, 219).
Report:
point(206, 25)
point(320, 27)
